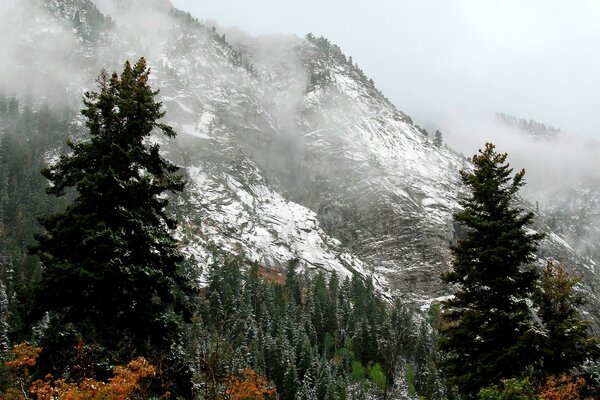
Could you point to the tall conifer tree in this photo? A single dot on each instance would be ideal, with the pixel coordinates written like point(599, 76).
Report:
point(567, 342)
point(112, 278)
point(487, 321)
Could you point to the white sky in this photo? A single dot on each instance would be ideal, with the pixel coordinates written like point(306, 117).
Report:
point(439, 58)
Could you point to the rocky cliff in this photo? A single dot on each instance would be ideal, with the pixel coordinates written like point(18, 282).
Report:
point(291, 151)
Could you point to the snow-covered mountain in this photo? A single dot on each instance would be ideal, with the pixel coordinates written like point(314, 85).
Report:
point(291, 151)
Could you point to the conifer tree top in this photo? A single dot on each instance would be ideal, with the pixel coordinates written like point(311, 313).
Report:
point(112, 276)
point(486, 323)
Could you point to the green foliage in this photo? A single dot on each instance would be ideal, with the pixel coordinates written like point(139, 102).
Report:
point(422, 130)
point(567, 342)
point(410, 379)
point(304, 335)
point(509, 389)
point(359, 372)
point(112, 278)
point(27, 136)
point(486, 332)
point(377, 375)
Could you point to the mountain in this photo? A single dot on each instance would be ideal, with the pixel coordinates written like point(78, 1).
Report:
point(291, 151)
point(566, 181)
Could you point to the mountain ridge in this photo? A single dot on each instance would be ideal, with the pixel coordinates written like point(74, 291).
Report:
point(292, 153)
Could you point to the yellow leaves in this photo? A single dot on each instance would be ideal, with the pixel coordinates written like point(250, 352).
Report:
point(248, 387)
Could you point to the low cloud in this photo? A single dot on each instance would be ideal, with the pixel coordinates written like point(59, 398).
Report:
point(554, 164)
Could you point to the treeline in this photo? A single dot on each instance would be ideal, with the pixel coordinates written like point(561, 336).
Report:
point(312, 336)
point(511, 331)
point(27, 136)
point(114, 297)
point(319, 69)
point(537, 129)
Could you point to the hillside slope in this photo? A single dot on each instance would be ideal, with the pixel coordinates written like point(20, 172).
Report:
point(291, 151)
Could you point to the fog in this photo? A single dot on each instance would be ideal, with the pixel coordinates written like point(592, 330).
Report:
point(36, 62)
point(43, 58)
point(452, 70)
point(537, 59)
point(143, 28)
point(554, 165)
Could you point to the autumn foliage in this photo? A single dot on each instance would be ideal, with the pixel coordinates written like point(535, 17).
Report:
point(563, 388)
point(25, 357)
point(249, 386)
point(128, 382)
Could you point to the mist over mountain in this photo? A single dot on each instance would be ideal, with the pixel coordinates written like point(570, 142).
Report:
point(291, 151)
point(294, 157)
point(268, 125)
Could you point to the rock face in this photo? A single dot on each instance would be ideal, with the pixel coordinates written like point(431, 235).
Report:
point(291, 151)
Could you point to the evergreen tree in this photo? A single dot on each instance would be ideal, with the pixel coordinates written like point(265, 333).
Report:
point(394, 341)
point(290, 383)
point(567, 342)
point(292, 282)
point(487, 322)
point(307, 390)
point(438, 141)
point(112, 278)
point(4, 342)
point(307, 357)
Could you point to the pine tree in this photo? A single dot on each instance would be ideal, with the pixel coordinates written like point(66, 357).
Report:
point(112, 278)
point(292, 282)
point(4, 327)
point(394, 341)
point(567, 343)
point(307, 390)
point(3, 103)
point(13, 106)
point(290, 383)
point(487, 322)
point(306, 357)
point(438, 141)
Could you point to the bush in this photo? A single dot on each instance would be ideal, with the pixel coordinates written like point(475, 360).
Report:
point(509, 389)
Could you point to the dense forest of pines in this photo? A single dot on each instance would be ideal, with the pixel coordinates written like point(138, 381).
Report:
point(116, 313)
point(28, 135)
point(313, 337)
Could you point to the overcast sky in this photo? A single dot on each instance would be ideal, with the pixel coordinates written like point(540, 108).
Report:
point(435, 58)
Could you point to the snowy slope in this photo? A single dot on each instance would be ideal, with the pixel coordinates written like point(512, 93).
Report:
point(291, 152)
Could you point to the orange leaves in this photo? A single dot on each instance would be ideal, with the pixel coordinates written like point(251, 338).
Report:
point(126, 383)
point(271, 275)
point(25, 357)
point(248, 387)
point(563, 388)
point(567, 387)
point(128, 378)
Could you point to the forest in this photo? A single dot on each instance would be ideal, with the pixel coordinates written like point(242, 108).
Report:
point(97, 300)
